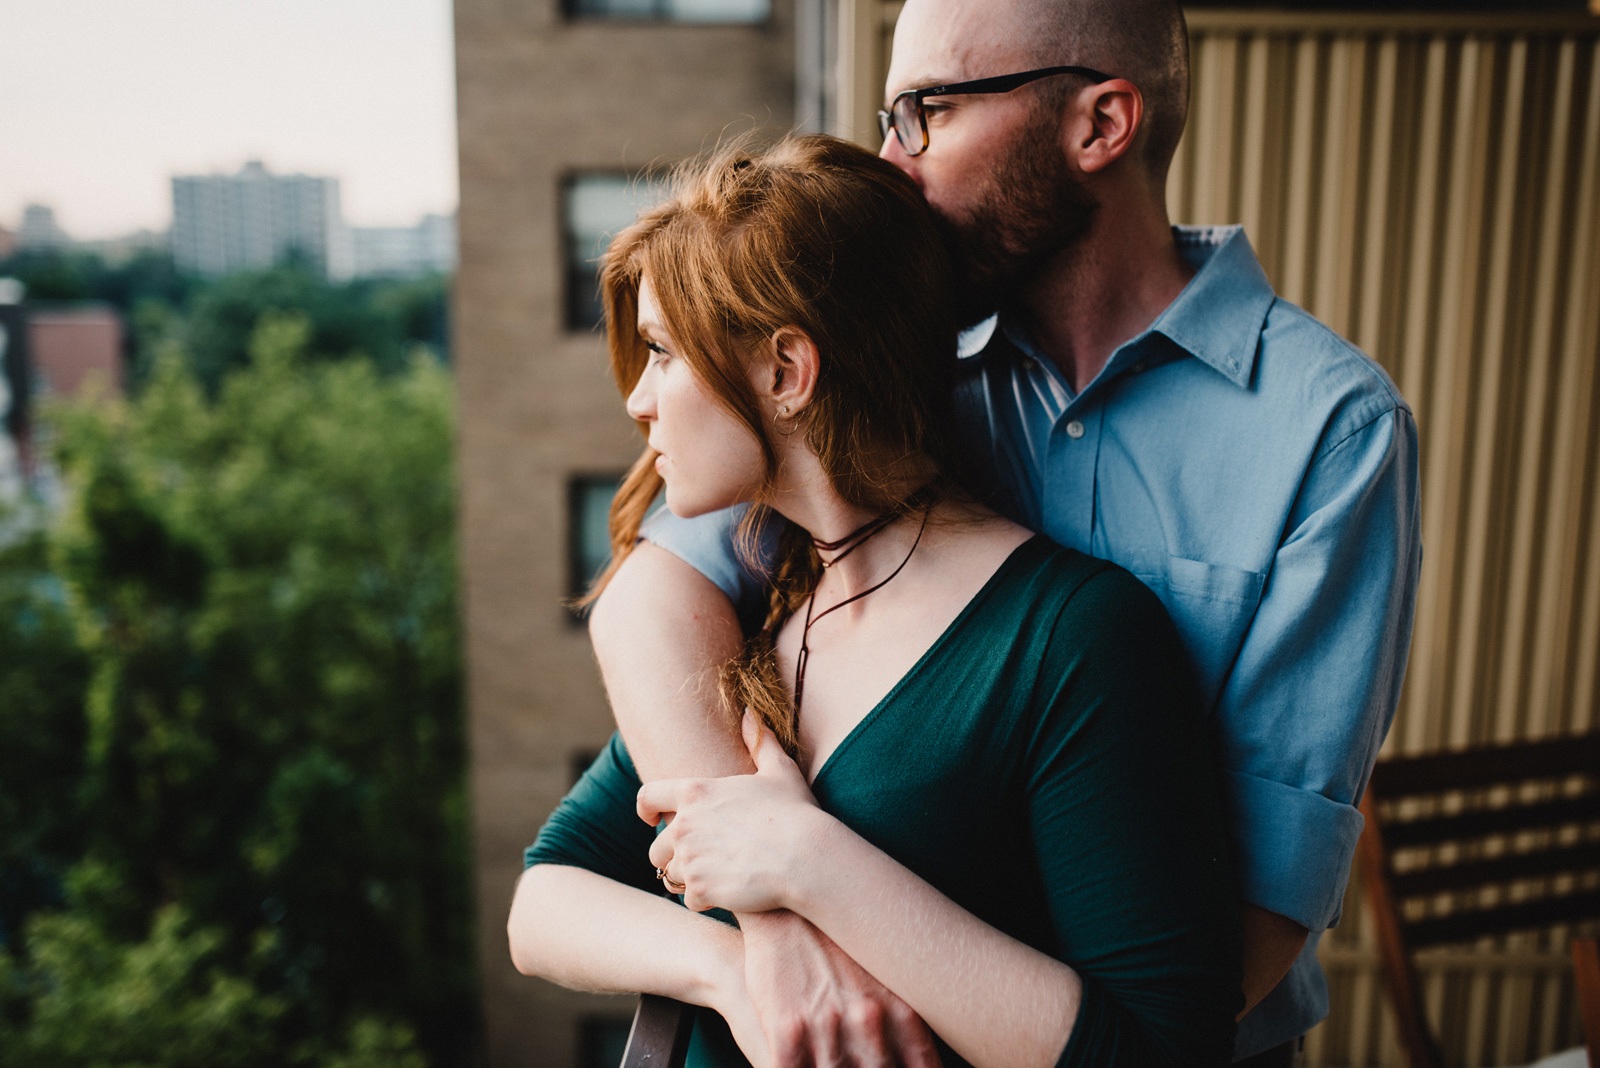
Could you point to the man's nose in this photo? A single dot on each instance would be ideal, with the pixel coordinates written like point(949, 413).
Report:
point(895, 154)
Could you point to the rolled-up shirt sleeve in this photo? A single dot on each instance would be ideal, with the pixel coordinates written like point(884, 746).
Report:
point(1317, 679)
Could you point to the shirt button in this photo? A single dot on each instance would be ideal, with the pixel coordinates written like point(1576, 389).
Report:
point(1074, 429)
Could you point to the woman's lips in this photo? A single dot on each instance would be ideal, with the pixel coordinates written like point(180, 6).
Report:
point(661, 459)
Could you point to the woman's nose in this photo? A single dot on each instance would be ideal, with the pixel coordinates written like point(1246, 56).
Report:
point(642, 401)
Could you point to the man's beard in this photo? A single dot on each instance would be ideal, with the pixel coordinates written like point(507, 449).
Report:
point(1032, 209)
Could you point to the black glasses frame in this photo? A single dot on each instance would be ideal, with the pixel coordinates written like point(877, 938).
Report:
point(909, 103)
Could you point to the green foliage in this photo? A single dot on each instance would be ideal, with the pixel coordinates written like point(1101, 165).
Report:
point(212, 321)
point(231, 701)
point(379, 320)
point(73, 274)
point(166, 1000)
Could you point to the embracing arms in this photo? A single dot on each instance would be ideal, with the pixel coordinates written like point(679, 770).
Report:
point(1036, 865)
point(759, 842)
point(660, 619)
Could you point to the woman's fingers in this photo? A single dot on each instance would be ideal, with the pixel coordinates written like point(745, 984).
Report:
point(765, 752)
point(750, 728)
point(663, 849)
point(661, 798)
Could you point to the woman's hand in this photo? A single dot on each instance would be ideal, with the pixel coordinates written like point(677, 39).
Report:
point(736, 842)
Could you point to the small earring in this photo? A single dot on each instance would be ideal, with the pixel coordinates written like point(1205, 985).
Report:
point(784, 409)
point(780, 413)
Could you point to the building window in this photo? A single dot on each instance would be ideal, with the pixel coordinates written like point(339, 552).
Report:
point(672, 10)
point(594, 208)
point(589, 539)
point(588, 529)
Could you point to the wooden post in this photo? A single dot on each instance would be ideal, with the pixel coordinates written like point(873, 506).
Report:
point(1404, 991)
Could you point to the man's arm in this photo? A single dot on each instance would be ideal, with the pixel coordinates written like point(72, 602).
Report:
point(661, 630)
point(1271, 944)
point(1315, 686)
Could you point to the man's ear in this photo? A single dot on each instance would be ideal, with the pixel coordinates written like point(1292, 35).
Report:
point(790, 379)
point(1104, 124)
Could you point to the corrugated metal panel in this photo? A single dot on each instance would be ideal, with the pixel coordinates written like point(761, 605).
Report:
point(1429, 186)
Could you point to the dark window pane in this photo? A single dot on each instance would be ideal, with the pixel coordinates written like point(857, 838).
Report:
point(591, 540)
point(594, 208)
point(588, 529)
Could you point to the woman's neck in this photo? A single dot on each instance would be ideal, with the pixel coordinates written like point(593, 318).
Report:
point(813, 505)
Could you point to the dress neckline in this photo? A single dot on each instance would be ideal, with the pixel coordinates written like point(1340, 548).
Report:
point(999, 574)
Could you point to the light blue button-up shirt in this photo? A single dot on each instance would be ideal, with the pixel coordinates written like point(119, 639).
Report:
point(1259, 473)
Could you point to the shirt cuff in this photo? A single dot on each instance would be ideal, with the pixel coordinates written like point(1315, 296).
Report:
point(1293, 848)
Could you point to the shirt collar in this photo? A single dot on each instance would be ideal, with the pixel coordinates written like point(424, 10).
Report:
point(1217, 318)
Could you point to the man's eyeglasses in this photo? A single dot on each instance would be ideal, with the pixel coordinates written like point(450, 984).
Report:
point(910, 123)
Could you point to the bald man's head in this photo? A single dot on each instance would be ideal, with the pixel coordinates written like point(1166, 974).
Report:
point(1144, 41)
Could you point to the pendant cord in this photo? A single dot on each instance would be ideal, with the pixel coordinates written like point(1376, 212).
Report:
point(863, 533)
point(854, 540)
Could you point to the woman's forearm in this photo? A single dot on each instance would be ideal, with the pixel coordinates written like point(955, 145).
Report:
point(588, 932)
point(997, 1002)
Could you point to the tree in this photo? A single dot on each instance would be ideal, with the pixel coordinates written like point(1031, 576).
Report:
point(262, 755)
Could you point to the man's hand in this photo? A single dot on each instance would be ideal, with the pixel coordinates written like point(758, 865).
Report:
point(1271, 944)
point(818, 1007)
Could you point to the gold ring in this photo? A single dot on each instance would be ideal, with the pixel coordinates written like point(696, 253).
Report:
point(672, 885)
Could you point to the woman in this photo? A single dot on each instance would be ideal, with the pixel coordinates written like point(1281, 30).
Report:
point(980, 769)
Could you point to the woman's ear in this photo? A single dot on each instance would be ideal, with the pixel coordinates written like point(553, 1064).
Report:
point(789, 381)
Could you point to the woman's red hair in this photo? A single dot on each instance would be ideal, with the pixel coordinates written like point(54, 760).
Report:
point(817, 234)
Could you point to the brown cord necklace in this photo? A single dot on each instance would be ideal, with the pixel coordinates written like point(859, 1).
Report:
point(849, 544)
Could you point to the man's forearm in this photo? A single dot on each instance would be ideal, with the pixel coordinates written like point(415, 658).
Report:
point(1271, 944)
point(661, 632)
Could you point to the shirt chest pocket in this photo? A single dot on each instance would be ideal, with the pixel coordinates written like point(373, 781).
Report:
point(1212, 606)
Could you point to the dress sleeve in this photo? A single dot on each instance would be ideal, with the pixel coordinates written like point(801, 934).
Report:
point(1316, 682)
point(597, 827)
point(1129, 834)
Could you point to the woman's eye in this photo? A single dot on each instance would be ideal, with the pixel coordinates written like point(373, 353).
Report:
point(657, 350)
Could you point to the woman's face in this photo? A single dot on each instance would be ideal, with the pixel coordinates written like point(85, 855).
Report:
point(708, 458)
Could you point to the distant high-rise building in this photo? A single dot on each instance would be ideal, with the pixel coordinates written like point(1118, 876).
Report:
point(404, 251)
point(254, 219)
point(40, 230)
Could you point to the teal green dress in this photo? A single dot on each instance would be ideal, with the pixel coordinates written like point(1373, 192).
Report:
point(1044, 765)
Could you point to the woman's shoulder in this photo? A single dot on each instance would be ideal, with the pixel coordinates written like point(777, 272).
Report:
point(1074, 603)
point(1041, 567)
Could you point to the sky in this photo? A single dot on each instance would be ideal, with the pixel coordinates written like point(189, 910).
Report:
point(102, 101)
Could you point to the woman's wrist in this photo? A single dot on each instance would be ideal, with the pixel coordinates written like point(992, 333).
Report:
point(717, 980)
point(813, 871)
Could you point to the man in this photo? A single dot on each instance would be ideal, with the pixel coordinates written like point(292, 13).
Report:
point(1141, 396)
